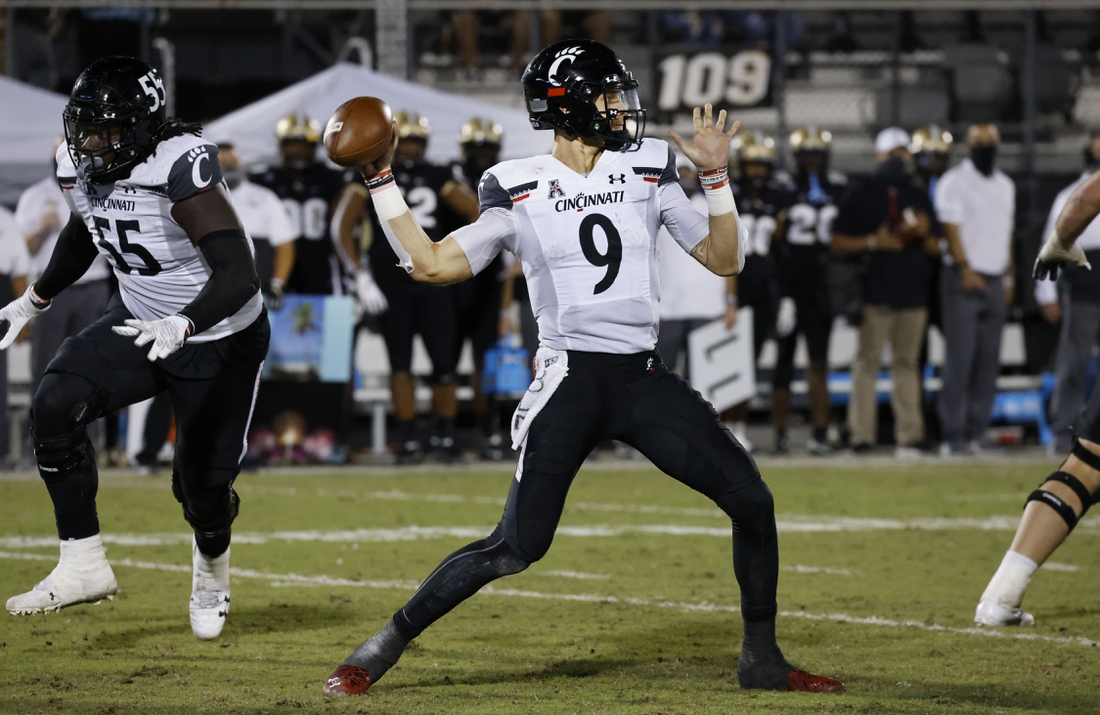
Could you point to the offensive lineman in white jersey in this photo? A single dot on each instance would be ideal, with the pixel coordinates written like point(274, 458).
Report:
point(583, 222)
point(147, 193)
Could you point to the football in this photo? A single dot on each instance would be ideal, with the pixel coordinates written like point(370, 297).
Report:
point(359, 131)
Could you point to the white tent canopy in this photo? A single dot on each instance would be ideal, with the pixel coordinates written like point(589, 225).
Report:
point(252, 128)
point(30, 122)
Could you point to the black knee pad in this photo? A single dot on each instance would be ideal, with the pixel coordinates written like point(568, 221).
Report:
point(210, 512)
point(1059, 505)
point(60, 412)
point(749, 506)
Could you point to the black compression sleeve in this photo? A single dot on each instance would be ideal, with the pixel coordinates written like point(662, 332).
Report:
point(72, 255)
point(232, 281)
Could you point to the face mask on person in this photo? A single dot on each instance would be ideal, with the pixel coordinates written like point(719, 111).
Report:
point(233, 177)
point(895, 170)
point(983, 157)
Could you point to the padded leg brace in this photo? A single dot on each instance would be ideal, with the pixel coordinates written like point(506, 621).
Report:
point(1058, 504)
point(460, 576)
point(60, 412)
point(210, 512)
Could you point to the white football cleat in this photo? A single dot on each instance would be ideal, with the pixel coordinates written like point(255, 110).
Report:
point(209, 593)
point(992, 613)
point(82, 576)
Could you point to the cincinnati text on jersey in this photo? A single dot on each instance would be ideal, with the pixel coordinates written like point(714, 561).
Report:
point(106, 202)
point(581, 201)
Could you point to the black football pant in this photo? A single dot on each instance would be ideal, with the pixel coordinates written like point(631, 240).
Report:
point(636, 399)
point(213, 388)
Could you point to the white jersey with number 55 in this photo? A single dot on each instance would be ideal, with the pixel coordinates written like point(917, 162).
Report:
point(587, 242)
point(159, 270)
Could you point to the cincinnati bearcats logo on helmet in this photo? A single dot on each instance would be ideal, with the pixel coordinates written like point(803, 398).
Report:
point(567, 54)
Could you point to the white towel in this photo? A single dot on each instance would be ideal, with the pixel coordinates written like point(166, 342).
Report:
point(551, 367)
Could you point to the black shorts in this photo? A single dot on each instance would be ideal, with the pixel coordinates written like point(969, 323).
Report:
point(477, 310)
point(212, 385)
point(1087, 425)
point(424, 309)
point(633, 398)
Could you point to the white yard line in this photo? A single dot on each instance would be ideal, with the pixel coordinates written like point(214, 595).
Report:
point(574, 574)
point(785, 524)
point(299, 580)
point(799, 568)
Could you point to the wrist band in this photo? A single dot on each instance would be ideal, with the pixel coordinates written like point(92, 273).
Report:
point(36, 300)
point(386, 196)
point(716, 187)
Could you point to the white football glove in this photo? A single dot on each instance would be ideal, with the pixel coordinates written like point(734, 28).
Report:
point(788, 316)
point(166, 334)
point(371, 298)
point(1054, 254)
point(18, 313)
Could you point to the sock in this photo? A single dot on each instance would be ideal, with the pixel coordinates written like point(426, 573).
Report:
point(1011, 580)
point(821, 434)
point(380, 652)
point(780, 433)
point(83, 553)
point(761, 663)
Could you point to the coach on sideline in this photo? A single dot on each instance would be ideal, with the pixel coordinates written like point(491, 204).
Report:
point(1078, 310)
point(976, 203)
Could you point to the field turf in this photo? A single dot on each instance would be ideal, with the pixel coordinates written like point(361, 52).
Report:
point(632, 611)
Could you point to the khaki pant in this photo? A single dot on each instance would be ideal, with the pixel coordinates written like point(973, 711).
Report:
point(904, 328)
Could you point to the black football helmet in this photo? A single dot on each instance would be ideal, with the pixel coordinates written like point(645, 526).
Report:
point(562, 84)
point(113, 117)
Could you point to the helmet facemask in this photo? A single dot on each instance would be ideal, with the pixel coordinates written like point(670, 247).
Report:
point(104, 150)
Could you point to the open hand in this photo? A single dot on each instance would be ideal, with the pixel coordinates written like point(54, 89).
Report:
point(710, 147)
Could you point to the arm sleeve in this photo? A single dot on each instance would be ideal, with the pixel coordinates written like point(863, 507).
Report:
point(232, 282)
point(482, 240)
point(194, 172)
point(72, 255)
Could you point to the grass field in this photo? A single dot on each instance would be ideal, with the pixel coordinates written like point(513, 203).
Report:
point(632, 611)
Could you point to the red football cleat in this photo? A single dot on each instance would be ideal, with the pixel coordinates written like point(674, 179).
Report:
point(803, 682)
point(353, 680)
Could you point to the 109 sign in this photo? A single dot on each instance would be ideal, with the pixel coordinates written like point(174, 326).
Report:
point(688, 81)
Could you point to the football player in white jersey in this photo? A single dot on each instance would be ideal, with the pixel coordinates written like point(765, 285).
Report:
point(147, 193)
point(583, 222)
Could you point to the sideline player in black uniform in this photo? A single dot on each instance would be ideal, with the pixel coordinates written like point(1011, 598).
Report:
point(761, 200)
point(147, 193)
point(804, 304)
point(477, 301)
point(440, 201)
point(598, 376)
point(311, 192)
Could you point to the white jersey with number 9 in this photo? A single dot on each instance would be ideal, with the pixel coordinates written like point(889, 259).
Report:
point(587, 242)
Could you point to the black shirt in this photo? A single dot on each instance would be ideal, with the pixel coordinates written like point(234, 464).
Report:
point(309, 196)
point(898, 279)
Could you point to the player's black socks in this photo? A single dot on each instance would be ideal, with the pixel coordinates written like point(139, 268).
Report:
point(74, 503)
point(821, 434)
point(761, 664)
point(380, 652)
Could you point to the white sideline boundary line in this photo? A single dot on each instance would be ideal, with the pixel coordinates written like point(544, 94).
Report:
point(293, 579)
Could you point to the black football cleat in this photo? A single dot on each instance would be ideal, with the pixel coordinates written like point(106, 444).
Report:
point(349, 680)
